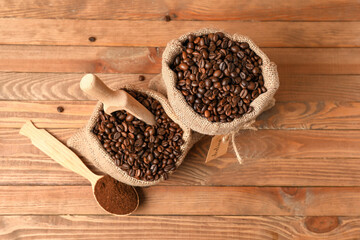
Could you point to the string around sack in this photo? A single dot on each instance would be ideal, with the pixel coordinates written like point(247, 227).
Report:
point(247, 126)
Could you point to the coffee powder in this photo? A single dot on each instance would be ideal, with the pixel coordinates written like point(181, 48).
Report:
point(114, 196)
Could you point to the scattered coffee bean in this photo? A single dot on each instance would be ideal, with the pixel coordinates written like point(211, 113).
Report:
point(167, 18)
point(219, 78)
point(141, 78)
point(60, 109)
point(92, 39)
point(145, 152)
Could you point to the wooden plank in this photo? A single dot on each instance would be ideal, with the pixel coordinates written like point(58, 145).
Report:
point(158, 33)
point(298, 10)
point(76, 113)
point(314, 61)
point(270, 144)
point(65, 86)
point(58, 86)
point(285, 115)
point(177, 227)
point(311, 115)
point(67, 59)
point(79, 59)
point(319, 88)
point(281, 158)
point(41, 170)
point(38, 171)
point(191, 200)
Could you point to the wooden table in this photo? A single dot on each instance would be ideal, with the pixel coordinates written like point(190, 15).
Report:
point(301, 173)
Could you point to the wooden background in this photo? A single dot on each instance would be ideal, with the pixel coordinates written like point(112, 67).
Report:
point(301, 174)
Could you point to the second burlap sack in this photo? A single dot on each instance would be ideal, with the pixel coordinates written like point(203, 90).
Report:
point(195, 121)
point(86, 143)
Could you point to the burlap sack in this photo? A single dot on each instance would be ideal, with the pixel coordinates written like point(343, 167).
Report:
point(87, 144)
point(195, 121)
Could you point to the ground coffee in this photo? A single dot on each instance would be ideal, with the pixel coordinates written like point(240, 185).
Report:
point(218, 77)
point(145, 152)
point(114, 196)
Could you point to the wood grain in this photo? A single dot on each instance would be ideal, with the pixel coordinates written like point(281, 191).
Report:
point(310, 10)
point(57, 86)
point(308, 143)
point(318, 88)
point(76, 113)
point(171, 227)
point(79, 59)
point(41, 170)
point(311, 115)
point(285, 115)
point(159, 33)
point(65, 86)
point(281, 158)
point(187, 200)
point(270, 144)
point(70, 59)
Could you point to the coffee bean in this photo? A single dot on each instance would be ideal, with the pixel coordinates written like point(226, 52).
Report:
point(191, 38)
point(256, 71)
point(183, 66)
point(249, 66)
point(141, 150)
point(129, 118)
point(243, 93)
point(217, 73)
point(60, 109)
point(207, 113)
point(235, 49)
point(141, 78)
point(117, 136)
point(217, 85)
point(244, 45)
point(251, 86)
point(167, 18)
point(92, 39)
point(212, 68)
point(243, 75)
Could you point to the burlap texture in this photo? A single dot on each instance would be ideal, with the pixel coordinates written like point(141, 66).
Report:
point(195, 121)
point(87, 144)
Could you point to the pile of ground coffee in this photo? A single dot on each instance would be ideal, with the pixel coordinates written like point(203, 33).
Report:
point(219, 78)
point(145, 152)
point(114, 196)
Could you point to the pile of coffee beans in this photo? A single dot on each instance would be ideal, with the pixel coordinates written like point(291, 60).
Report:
point(145, 152)
point(218, 77)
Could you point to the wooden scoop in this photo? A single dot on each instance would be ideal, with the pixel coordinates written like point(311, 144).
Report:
point(68, 159)
point(115, 100)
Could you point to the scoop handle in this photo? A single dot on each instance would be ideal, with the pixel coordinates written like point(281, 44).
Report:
point(115, 100)
point(134, 107)
point(57, 151)
point(97, 89)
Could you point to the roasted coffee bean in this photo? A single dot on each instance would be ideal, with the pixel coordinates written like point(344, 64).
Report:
point(244, 45)
point(183, 66)
point(141, 78)
point(217, 73)
point(251, 86)
point(129, 118)
point(60, 109)
point(143, 151)
point(235, 49)
point(212, 68)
